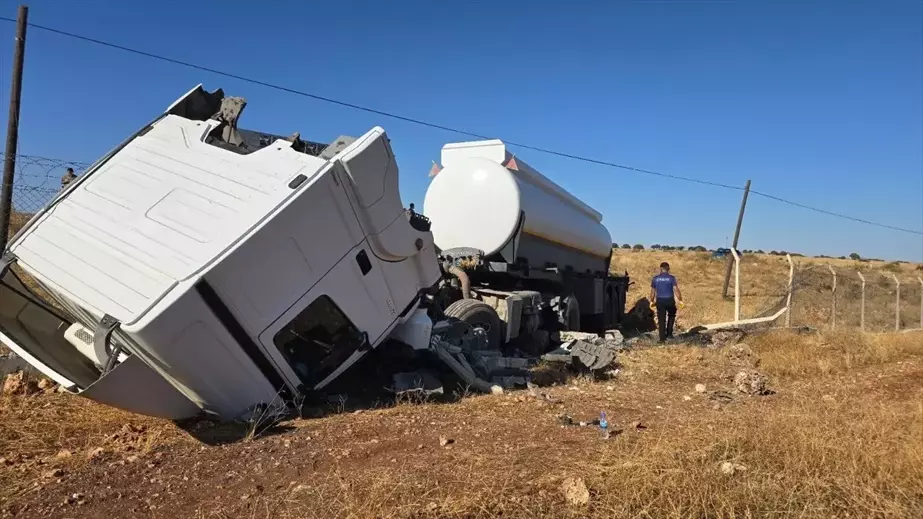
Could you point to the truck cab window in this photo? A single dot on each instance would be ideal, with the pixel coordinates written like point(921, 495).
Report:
point(318, 340)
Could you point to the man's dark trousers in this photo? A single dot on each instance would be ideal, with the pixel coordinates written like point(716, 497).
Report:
point(666, 315)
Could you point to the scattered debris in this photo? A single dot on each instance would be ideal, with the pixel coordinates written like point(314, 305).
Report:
point(730, 468)
point(96, 453)
point(54, 473)
point(638, 426)
point(594, 353)
point(752, 382)
point(725, 338)
point(700, 388)
point(575, 491)
point(19, 383)
point(421, 382)
point(721, 397)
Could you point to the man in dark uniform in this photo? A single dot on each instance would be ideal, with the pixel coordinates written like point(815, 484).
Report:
point(662, 287)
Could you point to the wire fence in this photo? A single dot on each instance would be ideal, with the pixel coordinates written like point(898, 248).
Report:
point(36, 181)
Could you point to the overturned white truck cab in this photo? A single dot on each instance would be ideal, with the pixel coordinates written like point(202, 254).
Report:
point(199, 267)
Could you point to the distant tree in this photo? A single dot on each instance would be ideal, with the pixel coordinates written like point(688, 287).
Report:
point(855, 256)
point(760, 251)
point(667, 247)
point(773, 253)
point(842, 257)
point(615, 245)
point(655, 246)
point(638, 246)
point(680, 247)
point(626, 246)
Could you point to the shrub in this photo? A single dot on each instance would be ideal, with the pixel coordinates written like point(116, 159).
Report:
point(626, 246)
point(855, 256)
point(638, 246)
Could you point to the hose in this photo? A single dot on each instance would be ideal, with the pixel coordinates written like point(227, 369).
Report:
point(463, 279)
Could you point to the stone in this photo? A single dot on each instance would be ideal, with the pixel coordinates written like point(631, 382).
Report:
point(96, 453)
point(700, 388)
point(729, 468)
point(751, 382)
point(575, 491)
point(63, 454)
point(443, 441)
point(46, 385)
point(496, 390)
point(686, 398)
point(19, 383)
point(54, 473)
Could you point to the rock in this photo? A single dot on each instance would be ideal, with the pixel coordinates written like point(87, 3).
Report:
point(96, 453)
point(19, 383)
point(567, 336)
point(55, 473)
point(724, 338)
point(614, 337)
point(729, 468)
point(63, 454)
point(700, 388)
point(443, 441)
point(46, 385)
point(575, 492)
point(687, 398)
point(751, 382)
point(496, 390)
point(637, 426)
point(742, 355)
point(131, 459)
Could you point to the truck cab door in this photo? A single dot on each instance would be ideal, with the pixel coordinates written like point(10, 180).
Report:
point(344, 315)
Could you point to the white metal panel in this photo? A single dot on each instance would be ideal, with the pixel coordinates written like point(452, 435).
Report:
point(156, 213)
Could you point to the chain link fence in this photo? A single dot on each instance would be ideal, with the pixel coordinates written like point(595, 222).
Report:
point(37, 180)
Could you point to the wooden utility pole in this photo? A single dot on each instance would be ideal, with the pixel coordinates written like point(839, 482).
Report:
point(12, 127)
point(740, 221)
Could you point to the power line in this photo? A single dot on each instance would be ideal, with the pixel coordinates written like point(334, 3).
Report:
point(428, 124)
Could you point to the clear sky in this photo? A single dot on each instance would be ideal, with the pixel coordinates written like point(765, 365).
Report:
point(817, 101)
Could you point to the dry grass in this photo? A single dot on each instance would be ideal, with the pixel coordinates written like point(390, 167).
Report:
point(764, 281)
point(842, 436)
point(849, 443)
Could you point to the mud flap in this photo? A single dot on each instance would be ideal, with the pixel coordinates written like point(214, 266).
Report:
point(133, 386)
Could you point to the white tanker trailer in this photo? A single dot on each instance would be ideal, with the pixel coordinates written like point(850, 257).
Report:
point(203, 268)
point(513, 231)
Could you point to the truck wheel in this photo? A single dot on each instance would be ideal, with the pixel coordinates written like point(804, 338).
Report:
point(478, 314)
point(569, 314)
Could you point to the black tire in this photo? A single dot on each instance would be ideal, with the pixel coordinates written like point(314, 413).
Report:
point(478, 314)
point(569, 314)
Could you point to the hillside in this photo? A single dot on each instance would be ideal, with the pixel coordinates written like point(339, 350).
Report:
point(837, 432)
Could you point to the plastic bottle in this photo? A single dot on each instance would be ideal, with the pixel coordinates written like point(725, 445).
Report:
point(604, 425)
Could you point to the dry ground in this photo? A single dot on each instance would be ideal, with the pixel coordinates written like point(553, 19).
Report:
point(842, 435)
point(764, 282)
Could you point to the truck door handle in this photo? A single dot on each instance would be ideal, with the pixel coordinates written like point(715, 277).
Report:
point(365, 265)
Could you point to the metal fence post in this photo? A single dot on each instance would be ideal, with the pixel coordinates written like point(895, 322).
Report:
point(862, 303)
point(833, 313)
point(736, 283)
point(897, 305)
point(788, 301)
point(920, 279)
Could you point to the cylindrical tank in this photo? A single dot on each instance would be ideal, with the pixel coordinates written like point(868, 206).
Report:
point(476, 202)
